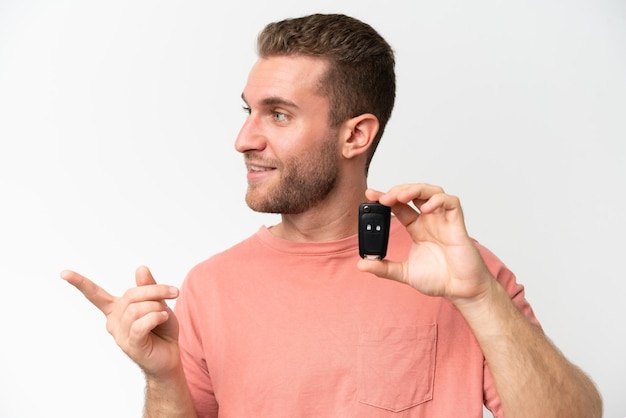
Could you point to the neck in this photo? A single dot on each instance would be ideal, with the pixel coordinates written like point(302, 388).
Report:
point(334, 218)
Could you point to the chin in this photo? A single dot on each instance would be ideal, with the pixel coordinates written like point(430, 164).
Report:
point(258, 204)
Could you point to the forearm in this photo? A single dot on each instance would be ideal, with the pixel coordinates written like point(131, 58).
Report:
point(168, 397)
point(532, 377)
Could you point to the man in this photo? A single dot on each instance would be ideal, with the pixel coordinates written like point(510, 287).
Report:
point(290, 322)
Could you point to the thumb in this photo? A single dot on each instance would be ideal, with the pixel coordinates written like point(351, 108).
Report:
point(143, 276)
point(383, 268)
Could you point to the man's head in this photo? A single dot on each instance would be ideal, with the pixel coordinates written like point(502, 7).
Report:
point(290, 151)
point(360, 76)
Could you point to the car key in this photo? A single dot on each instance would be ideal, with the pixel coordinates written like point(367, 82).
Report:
point(374, 220)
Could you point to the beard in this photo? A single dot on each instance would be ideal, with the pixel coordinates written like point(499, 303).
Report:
point(305, 180)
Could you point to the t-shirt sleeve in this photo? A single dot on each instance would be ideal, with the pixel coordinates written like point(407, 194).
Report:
point(516, 292)
point(192, 353)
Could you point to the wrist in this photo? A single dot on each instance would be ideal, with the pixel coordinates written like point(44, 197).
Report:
point(480, 307)
point(477, 296)
point(168, 396)
point(170, 376)
point(490, 314)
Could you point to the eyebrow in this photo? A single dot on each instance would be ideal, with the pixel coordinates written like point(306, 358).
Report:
point(274, 101)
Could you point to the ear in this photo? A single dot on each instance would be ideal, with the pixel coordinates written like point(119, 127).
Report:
point(358, 134)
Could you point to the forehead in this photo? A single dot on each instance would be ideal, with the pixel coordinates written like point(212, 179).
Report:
point(293, 78)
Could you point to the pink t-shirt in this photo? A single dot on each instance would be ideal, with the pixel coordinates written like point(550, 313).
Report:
point(274, 328)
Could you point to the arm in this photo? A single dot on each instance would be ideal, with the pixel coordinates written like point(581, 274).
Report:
point(168, 397)
point(532, 377)
point(525, 364)
point(146, 329)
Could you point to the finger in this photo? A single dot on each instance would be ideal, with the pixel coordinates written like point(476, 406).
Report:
point(136, 310)
point(418, 194)
point(143, 276)
point(136, 342)
point(441, 201)
point(94, 293)
point(405, 214)
point(136, 303)
point(120, 327)
point(383, 268)
point(154, 292)
point(373, 195)
point(148, 289)
point(143, 326)
point(410, 200)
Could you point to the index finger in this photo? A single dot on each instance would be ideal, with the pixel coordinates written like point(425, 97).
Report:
point(418, 193)
point(94, 293)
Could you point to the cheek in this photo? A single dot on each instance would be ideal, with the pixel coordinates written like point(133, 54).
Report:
point(300, 141)
point(288, 144)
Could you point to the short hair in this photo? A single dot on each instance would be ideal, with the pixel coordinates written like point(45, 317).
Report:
point(360, 77)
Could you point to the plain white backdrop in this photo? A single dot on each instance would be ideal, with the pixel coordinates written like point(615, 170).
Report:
point(117, 123)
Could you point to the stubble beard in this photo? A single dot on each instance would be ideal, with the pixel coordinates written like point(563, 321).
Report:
point(304, 182)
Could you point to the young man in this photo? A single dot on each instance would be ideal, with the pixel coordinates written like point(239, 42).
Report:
point(290, 322)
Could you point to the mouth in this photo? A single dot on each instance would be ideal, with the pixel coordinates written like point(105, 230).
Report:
point(253, 168)
point(258, 171)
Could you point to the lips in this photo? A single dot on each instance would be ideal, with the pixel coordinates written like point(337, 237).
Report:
point(256, 168)
point(258, 171)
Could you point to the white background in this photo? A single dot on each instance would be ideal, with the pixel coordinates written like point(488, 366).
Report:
point(117, 123)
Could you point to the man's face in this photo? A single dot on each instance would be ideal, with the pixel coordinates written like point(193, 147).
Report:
point(290, 150)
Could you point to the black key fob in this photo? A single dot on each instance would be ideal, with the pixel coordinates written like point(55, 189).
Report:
point(374, 220)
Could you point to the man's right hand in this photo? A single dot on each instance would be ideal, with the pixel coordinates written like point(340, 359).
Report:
point(140, 321)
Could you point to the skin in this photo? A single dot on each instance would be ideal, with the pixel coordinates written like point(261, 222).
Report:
point(275, 134)
point(287, 119)
point(291, 157)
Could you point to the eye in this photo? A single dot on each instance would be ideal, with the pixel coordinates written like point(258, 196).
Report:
point(246, 110)
point(280, 117)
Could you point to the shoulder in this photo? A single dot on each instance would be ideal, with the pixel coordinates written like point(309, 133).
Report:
point(221, 263)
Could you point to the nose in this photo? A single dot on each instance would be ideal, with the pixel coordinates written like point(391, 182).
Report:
point(250, 136)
